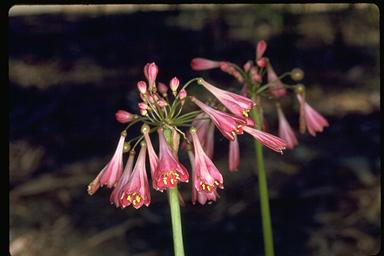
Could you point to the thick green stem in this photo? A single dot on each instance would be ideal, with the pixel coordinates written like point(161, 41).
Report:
point(174, 206)
point(263, 190)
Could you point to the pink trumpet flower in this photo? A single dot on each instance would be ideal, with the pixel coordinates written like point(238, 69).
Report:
point(136, 191)
point(285, 130)
point(123, 116)
point(202, 197)
point(207, 176)
point(276, 87)
point(314, 121)
point(204, 64)
point(111, 173)
point(153, 158)
point(118, 190)
point(169, 171)
point(260, 49)
point(237, 104)
point(205, 131)
point(227, 124)
point(275, 143)
point(234, 155)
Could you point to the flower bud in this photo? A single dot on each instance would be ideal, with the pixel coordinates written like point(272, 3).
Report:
point(123, 116)
point(143, 112)
point(257, 78)
point(297, 74)
point(174, 84)
point(260, 49)
point(161, 103)
point(247, 66)
point(152, 74)
point(143, 106)
point(182, 94)
point(163, 88)
point(142, 86)
point(262, 62)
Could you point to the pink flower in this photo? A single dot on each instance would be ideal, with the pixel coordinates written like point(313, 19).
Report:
point(150, 71)
point(123, 116)
point(229, 68)
point(275, 143)
point(153, 159)
point(227, 124)
point(313, 120)
point(136, 191)
point(174, 84)
point(237, 104)
point(234, 155)
point(207, 176)
point(202, 197)
point(169, 171)
point(285, 130)
point(276, 87)
point(182, 94)
point(260, 49)
point(111, 173)
point(142, 87)
point(205, 131)
point(263, 62)
point(204, 64)
point(118, 190)
point(163, 88)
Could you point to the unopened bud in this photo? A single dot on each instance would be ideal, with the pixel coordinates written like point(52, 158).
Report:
point(163, 88)
point(143, 106)
point(161, 103)
point(263, 62)
point(247, 66)
point(143, 112)
point(182, 94)
point(152, 74)
point(297, 74)
point(123, 116)
point(142, 86)
point(257, 78)
point(260, 49)
point(174, 84)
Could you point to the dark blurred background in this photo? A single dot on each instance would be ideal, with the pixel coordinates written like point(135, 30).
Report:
point(72, 67)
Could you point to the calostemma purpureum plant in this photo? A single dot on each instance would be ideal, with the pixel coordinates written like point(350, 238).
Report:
point(161, 113)
point(259, 82)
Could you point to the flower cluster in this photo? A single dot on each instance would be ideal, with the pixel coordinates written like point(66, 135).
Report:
point(161, 113)
point(251, 78)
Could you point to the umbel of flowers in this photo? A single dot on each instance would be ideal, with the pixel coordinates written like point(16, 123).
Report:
point(161, 113)
point(260, 83)
point(259, 80)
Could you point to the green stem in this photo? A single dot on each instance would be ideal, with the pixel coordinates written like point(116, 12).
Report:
point(263, 191)
point(174, 205)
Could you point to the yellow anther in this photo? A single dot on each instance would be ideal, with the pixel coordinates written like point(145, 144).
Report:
point(129, 198)
point(217, 183)
point(245, 112)
point(138, 198)
point(208, 188)
point(172, 181)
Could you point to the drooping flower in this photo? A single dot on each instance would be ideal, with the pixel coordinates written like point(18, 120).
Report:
point(314, 121)
point(169, 171)
point(207, 176)
point(285, 130)
point(205, 131)
point(273, 142)
point(204, 64)
point(276, 87)
point(153, 158)
point(118, 190)
point(123, 116)
point(234, 155)
point(111, 173)
point(136, 190)
point(202, 197)
point(237, 104)
point(227, 124)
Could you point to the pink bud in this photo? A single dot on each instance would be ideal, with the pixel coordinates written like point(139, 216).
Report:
point(143, 106)
point(182, 94)
point(143, 112)
point(257, 78)
point(152, 74)
point(142, 86)
point(174, 84)
point(247, 66)
point(161, 103)
point(151, 99)
point(262, 62)
point(123, 116)
point(163, 88)
point(260, 49)
point(204, 64)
